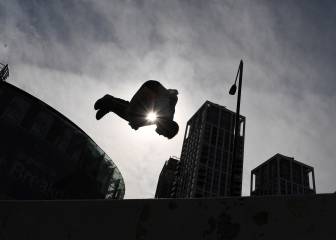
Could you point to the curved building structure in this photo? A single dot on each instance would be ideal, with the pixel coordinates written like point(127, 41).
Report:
point(43, 155)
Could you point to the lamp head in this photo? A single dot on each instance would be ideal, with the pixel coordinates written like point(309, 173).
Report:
point(233, 89)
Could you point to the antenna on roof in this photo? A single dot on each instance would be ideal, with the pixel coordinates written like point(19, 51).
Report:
point(4, 72)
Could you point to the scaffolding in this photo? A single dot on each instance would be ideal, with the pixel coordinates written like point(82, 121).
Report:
point(4, 72)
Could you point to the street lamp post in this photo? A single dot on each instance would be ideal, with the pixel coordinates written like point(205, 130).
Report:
point(237, 123)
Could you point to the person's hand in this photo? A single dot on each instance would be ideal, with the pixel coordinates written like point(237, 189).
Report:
point(104, 105)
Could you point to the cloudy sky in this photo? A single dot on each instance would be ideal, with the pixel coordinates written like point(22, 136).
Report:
point(71, 52)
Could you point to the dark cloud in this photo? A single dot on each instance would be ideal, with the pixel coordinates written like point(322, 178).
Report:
point(56, 34)
point(305, 33)
point(292, 35)
point(64, 21)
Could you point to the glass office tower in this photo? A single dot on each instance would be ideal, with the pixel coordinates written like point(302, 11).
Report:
point(43, 155)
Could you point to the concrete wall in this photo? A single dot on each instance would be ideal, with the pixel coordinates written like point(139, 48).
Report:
point(299, 217)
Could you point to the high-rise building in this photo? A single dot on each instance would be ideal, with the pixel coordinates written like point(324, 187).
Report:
point(282, 175)
point(207, 167)
point(165, 187)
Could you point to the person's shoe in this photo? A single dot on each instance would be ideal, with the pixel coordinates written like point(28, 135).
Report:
point(103, 102)
point(103, 106)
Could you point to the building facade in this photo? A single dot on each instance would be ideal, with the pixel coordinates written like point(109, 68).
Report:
point(207, 167)
point(282, 175)
point(165, 186)
point(43, 155)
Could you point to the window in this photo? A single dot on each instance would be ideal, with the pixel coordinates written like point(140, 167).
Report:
point(200, 183)
point(289, 188)
point(207, 132)
point(212, 115)
point(220, 137)
point(297, 173)
point(217, 163)
point(253, 182)
point(207, 186)
point(285, 169)
point(212, 152)
point(225, 121)
point(203, 160)
point(214, 136)
point(187, 131)
point(205, 150)
point(310, 176)
point(226, 141)
point(210, 162)
point(295, 189)
point(241, 127)
point(198, 195)
point(283, 187)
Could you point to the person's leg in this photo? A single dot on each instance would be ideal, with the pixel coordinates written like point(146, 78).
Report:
point(108, 104)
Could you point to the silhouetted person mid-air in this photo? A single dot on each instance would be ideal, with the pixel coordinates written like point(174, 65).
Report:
point(151, 104)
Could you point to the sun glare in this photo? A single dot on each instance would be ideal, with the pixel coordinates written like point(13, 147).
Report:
point(151, 116)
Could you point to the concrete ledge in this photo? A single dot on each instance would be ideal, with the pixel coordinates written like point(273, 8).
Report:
point(291, 217)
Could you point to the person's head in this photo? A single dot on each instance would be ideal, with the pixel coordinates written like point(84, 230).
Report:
point(167, 128)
